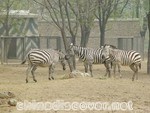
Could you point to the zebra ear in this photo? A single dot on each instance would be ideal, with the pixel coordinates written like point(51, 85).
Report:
point(71, 45)
point(67, 57)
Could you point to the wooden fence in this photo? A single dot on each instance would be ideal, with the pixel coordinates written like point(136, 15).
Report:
point(19, 46)
point(128, 43)
point(132, 43)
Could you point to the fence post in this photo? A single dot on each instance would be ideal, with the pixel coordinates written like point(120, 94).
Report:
point(2, 50)
point(23, 48)
point(58, 43)
point(48, 42)
point(120, 43)
point(39, 45)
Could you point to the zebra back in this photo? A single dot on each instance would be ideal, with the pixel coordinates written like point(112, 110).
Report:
point(123, 56)
point(89, 54)
point(44, 56)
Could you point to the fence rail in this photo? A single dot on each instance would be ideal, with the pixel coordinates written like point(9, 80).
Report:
point(17, 47)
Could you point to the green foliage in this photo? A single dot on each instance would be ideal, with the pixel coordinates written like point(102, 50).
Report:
point(15, 4)
point(7, 20)
point(146, 5)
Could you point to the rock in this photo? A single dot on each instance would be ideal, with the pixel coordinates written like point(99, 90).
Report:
point(10, 94)
point(6, 95)
point(12, 102)
point(1, 102)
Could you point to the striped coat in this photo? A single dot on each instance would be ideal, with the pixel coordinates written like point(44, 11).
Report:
point(124, 58)
point(91, 56)
point(43, 58)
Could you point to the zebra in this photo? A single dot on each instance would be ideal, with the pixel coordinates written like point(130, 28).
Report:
point(43, 58)
point(122, 57)
point(90, 56)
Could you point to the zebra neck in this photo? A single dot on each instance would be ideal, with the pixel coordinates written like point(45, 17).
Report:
point(80, 52)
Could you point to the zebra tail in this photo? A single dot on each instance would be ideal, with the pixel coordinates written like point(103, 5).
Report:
point(23, 62)
point(25, 59)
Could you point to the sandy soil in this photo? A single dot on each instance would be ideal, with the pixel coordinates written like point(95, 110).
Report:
point(78, 89)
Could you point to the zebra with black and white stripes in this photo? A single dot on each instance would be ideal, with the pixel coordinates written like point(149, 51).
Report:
point(91, 56)
point(43, 58)
point(125, 58)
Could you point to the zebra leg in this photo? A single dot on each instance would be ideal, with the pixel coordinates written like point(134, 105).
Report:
point(32, 71)
point(27, 72)
point(114, 69)
point(136, 72)
point(86, 67)
point(51, 71)
point(107, 66)
point(135, 69)
point(119, 68)
point(90, 66)
point(106, 69)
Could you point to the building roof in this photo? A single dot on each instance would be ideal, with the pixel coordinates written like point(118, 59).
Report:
point(20, 14)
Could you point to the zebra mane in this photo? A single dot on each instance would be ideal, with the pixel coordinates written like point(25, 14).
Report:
point(112, 46)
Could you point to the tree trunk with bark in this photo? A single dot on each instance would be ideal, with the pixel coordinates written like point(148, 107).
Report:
point(85, 32)
point(7, 29)
point(70, 62)
point(148, 60)
point(102, 33)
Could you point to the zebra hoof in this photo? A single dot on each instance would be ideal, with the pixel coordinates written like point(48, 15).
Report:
point(52, 78)
point(35, 80)
point(26, 81)
point(132, 79)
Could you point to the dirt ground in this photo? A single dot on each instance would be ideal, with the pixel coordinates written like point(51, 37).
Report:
point(78, 89)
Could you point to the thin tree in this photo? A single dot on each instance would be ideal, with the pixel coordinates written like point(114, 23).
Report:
point(86, 10)
point(105, 9)
point(8, 21)
point(56, 10)
point(148, 61)
point(72, 23)
point(72, 20)
point(5, 20)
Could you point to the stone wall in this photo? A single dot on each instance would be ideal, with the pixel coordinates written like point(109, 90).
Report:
point(115, 29)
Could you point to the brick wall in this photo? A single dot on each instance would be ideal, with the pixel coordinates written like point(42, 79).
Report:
point(115, 29)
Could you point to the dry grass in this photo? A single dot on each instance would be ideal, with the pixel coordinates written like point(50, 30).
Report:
point(12, 78)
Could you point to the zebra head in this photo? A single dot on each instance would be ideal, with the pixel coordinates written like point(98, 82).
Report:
point(107, 51)
point(70, 50)
point(62, 59)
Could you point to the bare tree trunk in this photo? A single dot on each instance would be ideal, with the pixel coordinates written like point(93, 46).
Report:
point(105, 9)
point(7, 29)
point(148, 62)
point(70, 63)
point(73, 40)
point(63, 33)
point(85, 32)
point(102, 35)
point(137, 8)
